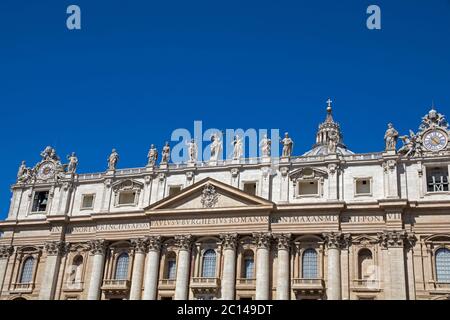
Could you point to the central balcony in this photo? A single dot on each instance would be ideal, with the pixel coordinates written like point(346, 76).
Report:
point(245, 283)
point(74, 286)
point(115, 286)
point(205, 284)
point(308, 285)
point(366, 285)
point(167, 284)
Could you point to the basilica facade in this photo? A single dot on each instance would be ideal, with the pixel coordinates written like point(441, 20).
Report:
point(329, 224)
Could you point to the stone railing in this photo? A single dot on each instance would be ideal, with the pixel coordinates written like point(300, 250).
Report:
point(366, 284)
point(307, 283)
point(115, 284)
point(167, 283)
point(73, 286)
point(23, 287)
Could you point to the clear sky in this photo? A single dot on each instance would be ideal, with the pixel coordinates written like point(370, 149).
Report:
point(137, 70)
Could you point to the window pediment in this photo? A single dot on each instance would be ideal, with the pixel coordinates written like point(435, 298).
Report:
point(307, 173)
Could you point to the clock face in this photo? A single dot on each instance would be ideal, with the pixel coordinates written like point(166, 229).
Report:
point(435, 140)
point(46, 170)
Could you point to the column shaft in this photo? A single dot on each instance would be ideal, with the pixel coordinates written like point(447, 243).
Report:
point(334, 274)
point(262, 274)
point(138, 274)
point(229, 274)
point(151, 275)
point(283, 274)
point(182, 284)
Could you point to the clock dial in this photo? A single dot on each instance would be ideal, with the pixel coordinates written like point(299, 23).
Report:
point(46, 170)
point(435, 140)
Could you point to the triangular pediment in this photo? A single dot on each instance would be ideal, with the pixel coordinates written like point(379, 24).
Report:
point(210, 194)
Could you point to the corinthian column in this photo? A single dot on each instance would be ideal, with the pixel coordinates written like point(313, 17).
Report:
point(183, 266)
point(262, 241)
point(54, 250)
point(98, 249)
point(5, 253)
point(393, 242)
point(334, 242)
point(229, 265)
point(283, 244)
point(140, 248)
point(151, 271)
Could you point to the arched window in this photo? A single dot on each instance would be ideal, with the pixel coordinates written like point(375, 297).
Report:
point(171, 266)
point(122, 267)
point(443, 265)
point(209, 264)
point(365, 262)
point(27, 270)
point(249, 265)
point(309, 264)
point(77, 268)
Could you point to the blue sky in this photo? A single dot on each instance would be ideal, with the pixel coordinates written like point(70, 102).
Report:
point(137, 70)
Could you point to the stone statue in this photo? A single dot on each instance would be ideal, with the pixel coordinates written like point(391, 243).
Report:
point(49, 154)
point(287, 145)
point(390, 138)
point(22, 170)
point(333, 139)
point(412, 145)
point(216, 147)
point(192, 151)
point(24, 173)
point(152, 155)
point(113, 159)
point(265, 146)
point(165, 153)
point(237, 148)
point(73, 163)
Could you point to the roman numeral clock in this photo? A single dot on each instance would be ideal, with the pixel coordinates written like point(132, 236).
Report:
point(435, 140)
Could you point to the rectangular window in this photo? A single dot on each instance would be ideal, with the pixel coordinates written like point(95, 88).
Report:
point(173, 190)
point(88, 201)
point(40, 201)
point(127, 198)
point(171, 269)
point(437, 179)
point(250, 188)
point(363, 186)
point(308, 188)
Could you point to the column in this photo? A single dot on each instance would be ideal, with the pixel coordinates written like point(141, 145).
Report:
point(262, 241)
point(283, 244)
point(54, 250)
point(152, 269)
point(140, 248)
point(345, 270)
point(229, 265)
point(98, 250)
point(333, 241)
point(394, 242)
point(5, 253)
point(183, 266)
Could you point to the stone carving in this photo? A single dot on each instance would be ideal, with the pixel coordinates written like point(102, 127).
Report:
point(192, 151)
point(237, 148)
point(209, 196)
point(334, 240)
point(389, 165)
point(229, 240)
point(98, 246)
point(73, 163)
point(183, 242)
point(54, 248)
point(283, 241)
point(140, 245)
point(112, 160)
point(6, 251)
point(234, 172)
point(333, 140)
point(390, 138)
point(165, 153)
point(392, 238)
point(154, 243)
point(49, 153)
point(287, 146)
point(412, 145)
point(265, 146)
point(152, 155)
point(24, 174)
point(190, 175)
point(215, 147)
point(262, 239)
point(433, 119)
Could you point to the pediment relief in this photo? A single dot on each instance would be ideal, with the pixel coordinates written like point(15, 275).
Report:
point(128, 184)
point(365, 240)
point(209, 194)
point(307, 173)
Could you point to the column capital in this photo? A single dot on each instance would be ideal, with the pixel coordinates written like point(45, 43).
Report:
point(140, 245)
point(98, 246)
point(283, 241)
point(184, 241)
point(262, 239)
point(154, 243)
point(6, 251)
point(336, 240)
point(54, 248)
point(392, 239)
point(229, 240)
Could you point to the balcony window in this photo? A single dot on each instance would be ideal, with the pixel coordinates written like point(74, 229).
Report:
point(249, 265)
point(171, 268)
point(437, 179)
point(40, 201)
point(122, 267)
point(209, 264)
point(309, 264)
point(27, 271)
point(127, 198)
point(443, 265)
point(308, 188)
point(365, 263)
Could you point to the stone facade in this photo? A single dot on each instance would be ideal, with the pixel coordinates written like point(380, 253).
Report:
point(330, 224)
